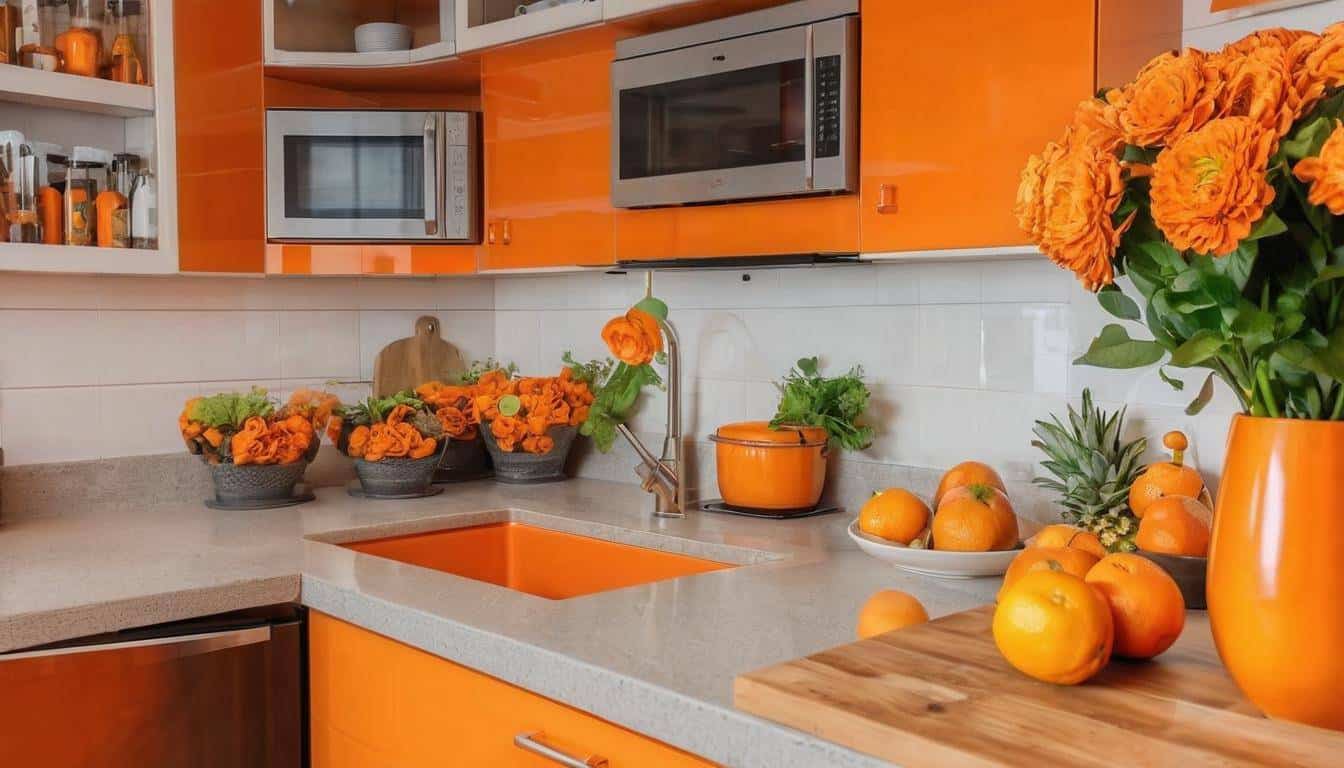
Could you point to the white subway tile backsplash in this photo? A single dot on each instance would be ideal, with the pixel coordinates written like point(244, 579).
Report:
point(1030, 280)
point(948, 346)
point(1026, 347)
point(56, 424)
point(50, 347)
point(137, 347)
point(517, 338)
point(140, 420)
point(20, 291)
point(954, 283)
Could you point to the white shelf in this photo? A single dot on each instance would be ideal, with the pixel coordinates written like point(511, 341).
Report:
point(73, 259)
point(421, 55)
point(21, 85)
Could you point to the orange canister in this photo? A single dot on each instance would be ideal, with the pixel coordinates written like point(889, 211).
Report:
point(770, 469)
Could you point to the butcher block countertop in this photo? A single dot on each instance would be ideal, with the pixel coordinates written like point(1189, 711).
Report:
point(939, 694)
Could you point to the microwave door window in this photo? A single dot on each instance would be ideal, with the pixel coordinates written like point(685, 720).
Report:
point(354, 177)
point(746, 117)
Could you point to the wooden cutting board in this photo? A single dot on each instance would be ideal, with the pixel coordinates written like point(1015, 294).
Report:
point(408, 363)
point(939, 694)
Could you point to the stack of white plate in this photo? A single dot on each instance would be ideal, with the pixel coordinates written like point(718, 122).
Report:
point(382, 36)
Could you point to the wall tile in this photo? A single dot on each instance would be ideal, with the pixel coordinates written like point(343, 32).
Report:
point(20, 291)
point(949, 346)
point(517, 338)
point(954, 283)
point(1025, 347)
point(1034, 280)
point(39, 425)
point(49, 348)
point(141, 420)
point(896, 283)
point(319, 344)
point(173, 346)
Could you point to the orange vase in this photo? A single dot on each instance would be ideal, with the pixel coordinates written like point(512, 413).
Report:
point(1276, 567)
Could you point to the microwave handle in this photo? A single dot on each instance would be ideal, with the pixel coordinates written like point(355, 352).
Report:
point(431, 174)
point(809, 110)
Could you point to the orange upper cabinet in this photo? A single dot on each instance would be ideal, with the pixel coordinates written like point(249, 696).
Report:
point(956, 94)
point(547, 134)
point(221, 124)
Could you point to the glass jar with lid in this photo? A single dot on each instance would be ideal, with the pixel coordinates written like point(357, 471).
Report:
point(37, 35)
point(126, 19)
point(81, 45)
point(81, 195)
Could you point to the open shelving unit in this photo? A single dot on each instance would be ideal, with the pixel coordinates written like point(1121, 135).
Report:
point(73, 110)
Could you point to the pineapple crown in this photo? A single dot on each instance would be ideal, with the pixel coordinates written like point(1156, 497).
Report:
point(1092, 467)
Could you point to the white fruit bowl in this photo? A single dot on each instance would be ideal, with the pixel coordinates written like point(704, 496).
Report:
point(933, 562)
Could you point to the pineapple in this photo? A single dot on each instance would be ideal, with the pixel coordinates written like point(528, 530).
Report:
point(1093, 470)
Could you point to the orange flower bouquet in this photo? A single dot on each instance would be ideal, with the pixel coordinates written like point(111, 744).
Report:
point(1214, 183)
point(395, 442)
point(464, 454)
point(529, 423)
point(635, 339)
point(257, 452)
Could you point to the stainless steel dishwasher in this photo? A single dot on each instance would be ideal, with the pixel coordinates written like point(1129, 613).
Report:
point(226, 691)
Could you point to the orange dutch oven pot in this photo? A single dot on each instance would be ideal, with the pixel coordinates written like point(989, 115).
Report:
point(771, 469)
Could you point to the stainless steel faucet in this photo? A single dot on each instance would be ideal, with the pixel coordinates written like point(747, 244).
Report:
point(665, 476)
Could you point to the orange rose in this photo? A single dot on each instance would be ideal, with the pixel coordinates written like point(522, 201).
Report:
point(1171, 96)
point(635, 338)
point(578, 415)
point(1258, 84)
point(455, 423)
point(485, 408)
point(1098, 124)
point(398, 414)
point(253, 430)
point(538, 444)
point(1317, 65)
point(425, 448)
point(1325, 173)
point(1275, 37)
point(190, 429)
point(334, 427)
point(494, 382)
point(507, 431)
point(359, 441)
point(1210, 187)
point(1030, 206)
point(1080, 189)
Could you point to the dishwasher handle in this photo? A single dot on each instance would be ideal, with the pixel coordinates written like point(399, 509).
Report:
point(179, 646)
point(528, 743)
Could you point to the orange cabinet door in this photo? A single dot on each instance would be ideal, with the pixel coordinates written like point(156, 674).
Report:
point(954, 96)
point(376, 702)
point(547, 144)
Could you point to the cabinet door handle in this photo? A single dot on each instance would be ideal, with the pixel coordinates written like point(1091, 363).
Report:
point(507, 234)
point(490, 233)
point(528, 743)
point(886, 198)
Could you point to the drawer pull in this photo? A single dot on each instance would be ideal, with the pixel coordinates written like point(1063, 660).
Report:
point(528, 743)
point(886, 198)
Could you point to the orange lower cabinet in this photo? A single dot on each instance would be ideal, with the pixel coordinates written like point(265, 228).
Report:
point(376, 702)
point(808, 225)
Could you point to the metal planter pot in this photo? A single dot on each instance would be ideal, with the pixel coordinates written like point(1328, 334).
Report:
point(396, 477)
point(463, 460)
point(522, 467)
point(250, 483)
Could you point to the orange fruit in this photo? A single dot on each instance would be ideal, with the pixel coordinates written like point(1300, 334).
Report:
point(894, 514)
point(974, 518)
point(1167, 478)
point(967, 473)
point(889, 610)
point(1054, 627)
point(1146, 605)
point(1061, 536)
point(1175, 525)
point(1075, 561)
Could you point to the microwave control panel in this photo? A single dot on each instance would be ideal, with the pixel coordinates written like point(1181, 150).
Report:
point(826, 117)
point(457, 175)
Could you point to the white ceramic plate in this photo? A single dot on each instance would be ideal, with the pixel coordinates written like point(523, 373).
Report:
point(932, 562)
point(382, 36)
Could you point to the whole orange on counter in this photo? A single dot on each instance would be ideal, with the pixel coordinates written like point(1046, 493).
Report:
point(889, 610)
point(895, 515)
point(1055, 627)
point(1146, 604)
point(974, 518)
point(1062, 536)
point(967, 473)
point(1074, 561)
point(1166, 478)
point(1175, 525)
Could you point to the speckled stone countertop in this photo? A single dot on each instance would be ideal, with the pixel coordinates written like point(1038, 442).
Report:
point(658, 658)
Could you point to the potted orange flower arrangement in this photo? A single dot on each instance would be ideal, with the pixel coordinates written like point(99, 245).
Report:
point(529, 423)
point(464, 454)
point(395, 442)
point(1214, 184)
point(257, 452)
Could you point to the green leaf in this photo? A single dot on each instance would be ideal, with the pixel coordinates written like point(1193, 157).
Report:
point(1327, 360)
point(1174, 383)
point(1334, 272)
point(1253, 327)
point(1202, 399)
point(1268, 226)
point(808, 366)
point(1115, 349)
point(1199, 348)
point(1113, 300)
point(1308, 139)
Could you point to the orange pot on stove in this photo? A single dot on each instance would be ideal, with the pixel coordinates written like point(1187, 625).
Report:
point(770, 469)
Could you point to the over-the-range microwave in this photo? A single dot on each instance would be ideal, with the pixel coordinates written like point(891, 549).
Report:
point(372, 175)
point(759, 105)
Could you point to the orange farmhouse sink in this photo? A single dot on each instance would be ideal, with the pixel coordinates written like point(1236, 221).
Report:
point(536, 560)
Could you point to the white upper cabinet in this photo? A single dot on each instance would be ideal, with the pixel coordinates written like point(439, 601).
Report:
point(488, 23)
point(618, 9)
point(321, 33)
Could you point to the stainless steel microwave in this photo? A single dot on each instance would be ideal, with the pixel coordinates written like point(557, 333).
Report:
point(759, 105)
point(372, 175)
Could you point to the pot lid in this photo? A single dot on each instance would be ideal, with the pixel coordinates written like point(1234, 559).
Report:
point(760, 432)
